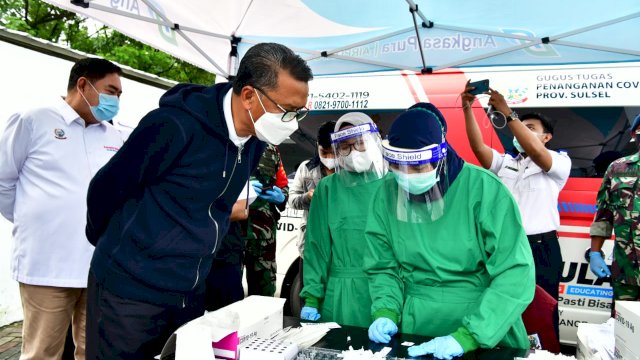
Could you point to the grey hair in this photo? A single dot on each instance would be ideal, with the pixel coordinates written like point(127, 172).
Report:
point(261, 64)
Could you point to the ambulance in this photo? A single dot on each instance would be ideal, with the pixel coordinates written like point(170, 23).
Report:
point(592, 107)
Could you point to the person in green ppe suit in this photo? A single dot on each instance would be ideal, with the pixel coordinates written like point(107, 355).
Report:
point(447, 256)
point(335, 285)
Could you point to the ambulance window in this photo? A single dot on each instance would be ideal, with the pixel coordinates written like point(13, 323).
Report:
point(592, 136)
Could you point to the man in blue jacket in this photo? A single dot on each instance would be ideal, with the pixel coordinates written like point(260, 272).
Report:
point(159, 209)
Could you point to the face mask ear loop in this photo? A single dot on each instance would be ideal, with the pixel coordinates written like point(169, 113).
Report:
point(260, 101)
point(94, 88)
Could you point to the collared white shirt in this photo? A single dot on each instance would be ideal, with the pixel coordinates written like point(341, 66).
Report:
point(47, 159)
point(535, 190)
point(228, 117)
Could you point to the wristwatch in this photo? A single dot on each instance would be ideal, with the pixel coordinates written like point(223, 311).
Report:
point(512, 116)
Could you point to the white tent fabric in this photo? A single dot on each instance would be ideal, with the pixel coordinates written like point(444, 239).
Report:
point(350, 36)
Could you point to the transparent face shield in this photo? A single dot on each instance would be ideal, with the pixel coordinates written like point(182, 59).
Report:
point(358, 153)
point(421, 178)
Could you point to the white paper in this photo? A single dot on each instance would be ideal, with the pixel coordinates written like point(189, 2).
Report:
point(194, 343)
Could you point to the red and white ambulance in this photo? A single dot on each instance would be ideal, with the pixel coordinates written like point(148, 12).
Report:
point(592, 106)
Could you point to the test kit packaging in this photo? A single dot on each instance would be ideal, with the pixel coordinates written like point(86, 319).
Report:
point(267, 349)
point(224, 331)
point(627, 330)
point(595, 341)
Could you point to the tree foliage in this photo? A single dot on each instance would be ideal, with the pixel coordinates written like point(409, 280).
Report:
point(51, 23)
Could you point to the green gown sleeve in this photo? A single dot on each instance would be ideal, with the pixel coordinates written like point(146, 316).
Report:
point(383, 270)
point(317, 251)
point(509, 264)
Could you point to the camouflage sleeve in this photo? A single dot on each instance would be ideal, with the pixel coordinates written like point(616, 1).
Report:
point(603, 220)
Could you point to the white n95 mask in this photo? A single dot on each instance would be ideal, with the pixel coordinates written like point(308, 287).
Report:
point(329, 163)
point(357, 161)
point(271, 129)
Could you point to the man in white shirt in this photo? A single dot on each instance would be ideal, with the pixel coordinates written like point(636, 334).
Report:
point(535, 177)
point(48, 156)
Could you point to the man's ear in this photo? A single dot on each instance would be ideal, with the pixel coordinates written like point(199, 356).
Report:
point(81, 83)
point(547, 137)
point(247, 97)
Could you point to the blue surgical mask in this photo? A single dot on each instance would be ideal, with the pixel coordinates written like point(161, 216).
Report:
point(418, 183)
point(107, 108)
point(517, 145)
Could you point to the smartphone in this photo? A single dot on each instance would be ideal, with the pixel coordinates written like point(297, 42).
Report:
point(267, 187)
point(481, 87)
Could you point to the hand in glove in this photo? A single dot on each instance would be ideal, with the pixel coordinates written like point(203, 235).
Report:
point(597, 265)
point(273, 195)
point(382, 330)
point(309, 313)
point(443, 347)
point(257, 186)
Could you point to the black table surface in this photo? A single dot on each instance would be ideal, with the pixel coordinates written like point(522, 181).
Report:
point(336, 339)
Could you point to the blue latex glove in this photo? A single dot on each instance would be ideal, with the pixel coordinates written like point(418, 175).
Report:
point(273, 195)
point(309, 313)
point(597, 265)
point(257, 186)
point(382, 330)
point(443, 347)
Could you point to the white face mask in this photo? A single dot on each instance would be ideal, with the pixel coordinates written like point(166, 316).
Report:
point(329, 163)
point(270, 128)
point(357, 161)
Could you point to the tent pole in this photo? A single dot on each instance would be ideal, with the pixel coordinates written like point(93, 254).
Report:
point(295, 49)
point(176, 27)
point(360, 43)
point(163, 21)
point(152, 20)
point(597, 47)
point(597, 26)
point(427, 23)
point(233, 57)
point(488, 55)
point(123, 13)
point(377, 63)
point(413, 8)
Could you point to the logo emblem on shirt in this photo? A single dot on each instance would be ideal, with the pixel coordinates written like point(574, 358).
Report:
point(59, 134)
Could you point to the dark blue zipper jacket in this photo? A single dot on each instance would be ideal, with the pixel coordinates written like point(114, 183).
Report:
point(159, 209)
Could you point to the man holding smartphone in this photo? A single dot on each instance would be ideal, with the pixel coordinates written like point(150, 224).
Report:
point(534, 176)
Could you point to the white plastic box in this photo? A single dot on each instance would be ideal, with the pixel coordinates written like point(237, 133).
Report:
point(595, 341)
point(627, 330)
point(221, 332)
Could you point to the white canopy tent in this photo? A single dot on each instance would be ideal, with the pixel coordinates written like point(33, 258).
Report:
point(350, 36)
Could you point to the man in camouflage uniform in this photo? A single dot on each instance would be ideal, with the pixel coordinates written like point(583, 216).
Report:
point(618, 210)
point(259, 230)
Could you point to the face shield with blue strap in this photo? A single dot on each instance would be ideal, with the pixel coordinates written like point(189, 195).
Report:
point(358, 152)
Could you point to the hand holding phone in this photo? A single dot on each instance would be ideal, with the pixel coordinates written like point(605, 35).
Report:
point(480, 87)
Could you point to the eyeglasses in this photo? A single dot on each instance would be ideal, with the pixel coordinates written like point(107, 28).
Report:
point(344, 148)
point(288, 115)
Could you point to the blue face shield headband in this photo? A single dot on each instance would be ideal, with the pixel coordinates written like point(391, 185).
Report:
point(354, 131)
point(419, 182)
point(356, 149)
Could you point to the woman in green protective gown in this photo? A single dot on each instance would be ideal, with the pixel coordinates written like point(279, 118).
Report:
point(335, 285)
point(447, 254)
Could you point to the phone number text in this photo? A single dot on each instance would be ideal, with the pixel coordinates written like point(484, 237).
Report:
point(340, 95)
point(337, 104)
